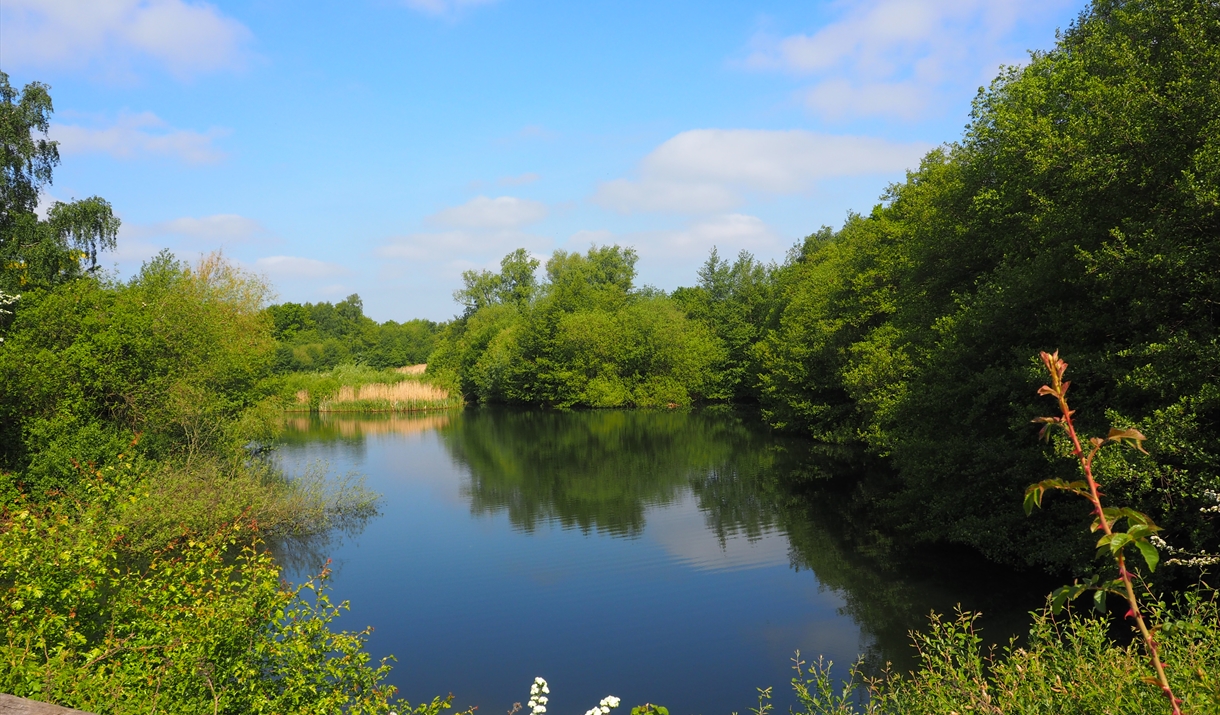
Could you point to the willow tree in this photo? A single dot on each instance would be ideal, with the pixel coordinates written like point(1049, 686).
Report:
point(41, 251)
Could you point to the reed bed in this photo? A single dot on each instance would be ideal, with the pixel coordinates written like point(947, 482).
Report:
point(359, 388)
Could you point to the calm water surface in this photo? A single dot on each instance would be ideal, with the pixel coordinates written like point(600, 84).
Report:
point(647, 555)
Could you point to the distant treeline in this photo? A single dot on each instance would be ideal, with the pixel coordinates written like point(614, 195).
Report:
point(321, 336)
point(1080, 211)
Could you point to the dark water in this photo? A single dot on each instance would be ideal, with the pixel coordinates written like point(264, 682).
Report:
point(656, 556)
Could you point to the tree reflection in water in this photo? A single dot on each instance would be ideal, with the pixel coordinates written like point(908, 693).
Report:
point(601, 470)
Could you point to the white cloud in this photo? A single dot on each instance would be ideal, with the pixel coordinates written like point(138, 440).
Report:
point(187, 38)
point(705, 170)
point(476, 246)
point(441, 8)
point(894, 57)
point(501, 212)
point(140, 135)
point(290, 267)
point(729, 232)
point(519, 180)
point(840, 99)
point(218, 228)
point(664, 194)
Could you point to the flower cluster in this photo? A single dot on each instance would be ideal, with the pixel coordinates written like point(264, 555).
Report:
point(5, 301)
point(607, 704)
point(538, 699)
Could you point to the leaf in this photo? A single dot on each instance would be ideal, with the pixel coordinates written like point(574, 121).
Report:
point(1099, 601)
point(1119, 541)
point(1131, 437)
point(1033, 498)
point(1150, 554)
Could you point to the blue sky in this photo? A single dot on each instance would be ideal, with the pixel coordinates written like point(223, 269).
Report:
point(381, 147)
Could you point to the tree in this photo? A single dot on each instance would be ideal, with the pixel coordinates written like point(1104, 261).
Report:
point(38, 252)
point(515, 284)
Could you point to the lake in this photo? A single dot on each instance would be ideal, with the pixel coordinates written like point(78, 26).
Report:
point(656, 556)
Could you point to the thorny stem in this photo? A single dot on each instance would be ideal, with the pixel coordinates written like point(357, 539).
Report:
point(1058, 389)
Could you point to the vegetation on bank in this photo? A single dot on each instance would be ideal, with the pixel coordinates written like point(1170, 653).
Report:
point(360, 388)
point(1069, 666)
point(134, 504)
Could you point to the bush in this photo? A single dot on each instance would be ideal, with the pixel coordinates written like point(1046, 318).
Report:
point(201, 624)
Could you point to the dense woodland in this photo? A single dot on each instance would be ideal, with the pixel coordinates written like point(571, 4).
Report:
point(322, 336)
point(1080, 211)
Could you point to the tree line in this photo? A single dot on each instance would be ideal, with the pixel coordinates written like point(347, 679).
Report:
point(1079, 211)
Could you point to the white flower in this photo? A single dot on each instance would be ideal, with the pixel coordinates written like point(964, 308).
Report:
point(539, 681)
point(594, 711)
point(545, 689)
point(542, 699)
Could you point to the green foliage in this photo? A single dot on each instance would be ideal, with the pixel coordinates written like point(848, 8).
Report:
point(735, 301)
point(338, 390)
point(201, 624)
point(38, 253)
point(1069, 665)
point(321, 336)
point(515, 284)
point(175, 355)
point(1078, 211)
point(585, 338)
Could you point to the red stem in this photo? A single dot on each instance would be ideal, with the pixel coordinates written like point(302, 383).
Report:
point(1057, 367)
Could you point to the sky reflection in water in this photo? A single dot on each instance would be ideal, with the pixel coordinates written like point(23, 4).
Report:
point(647, 555)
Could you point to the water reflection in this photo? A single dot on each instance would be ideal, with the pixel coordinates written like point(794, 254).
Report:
point(602, 470)
point(709, 492)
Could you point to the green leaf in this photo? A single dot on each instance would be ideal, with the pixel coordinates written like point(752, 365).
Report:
point(1119, 541)
point(1099, 601)
point(1033, 498)
point(1150, 554)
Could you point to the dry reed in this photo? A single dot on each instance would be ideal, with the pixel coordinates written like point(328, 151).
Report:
point(412, 369)
point(406, 391)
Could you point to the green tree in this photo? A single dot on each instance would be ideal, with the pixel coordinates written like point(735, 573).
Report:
point(36, 252)
point(1078, 212)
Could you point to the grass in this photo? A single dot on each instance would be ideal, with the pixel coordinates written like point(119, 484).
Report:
point(358, 388)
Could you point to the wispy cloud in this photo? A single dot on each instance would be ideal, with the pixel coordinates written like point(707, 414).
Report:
point(186, 38)
point(498, 213)
point(896, 57)
point(707, 170)
point(444, 8)
point(475, 247)
point(518, 180)
point(140, 135)
point(728, 232)
point(296, 267)
point(224, 229)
